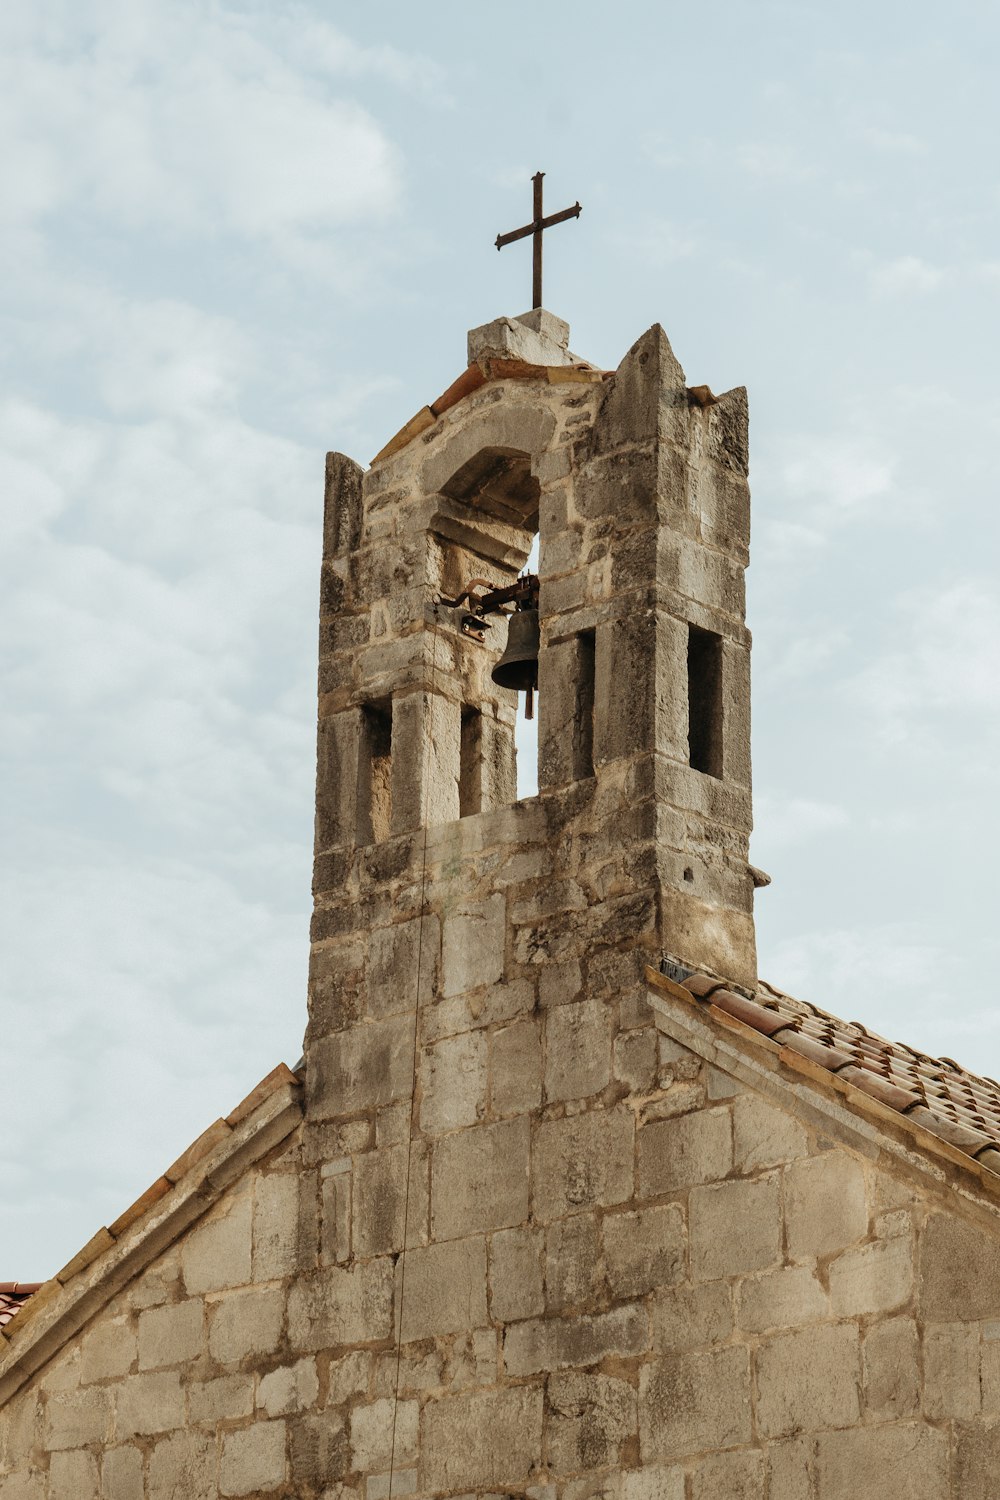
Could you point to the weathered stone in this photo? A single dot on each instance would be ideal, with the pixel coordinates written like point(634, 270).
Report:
point(183, 1464)
point(577, 1050)
point(825, 1204)
point(453, 1077)
point(740, 1475)
point(275, 1225)
point(482, 1440)
point(516, 1276)
point(363, 1068)
point(690, 1402)
point(891, 1367)
point(77, 1418)
point(380, 1200)
point(787, 1298)
point(790, 1466)
point(148, 1404)
point(516, 1068)
point(573, 1271)
point(873, 1278)
point(171, 1335)
point(692, 1317)
point(393, 953)
point(445, 1289)
point(592, 1417)
point(653, 1482)
point(555, 1343)
point(764, 1136)
point(479, 1179)
point(225, 1398)
point(217, 1254)
point(473, 946)
point(734, 1227)
point(583, 1161)
point(253, 1459)
point(678, 1153)
point(635, 1059)
point(643, 1250)
point(109, 1351)
point(977, 1461)
point(73, 1476)
point(951, 1370)
point(375, 1428)
point(808, 1379)
point(247, 1322)
point(121, 1474)
point(959, 1271)
point(342, 1305)
point(900, 1460)
point(292, 1388)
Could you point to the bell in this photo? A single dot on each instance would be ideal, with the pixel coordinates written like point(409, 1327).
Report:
point(518, 667)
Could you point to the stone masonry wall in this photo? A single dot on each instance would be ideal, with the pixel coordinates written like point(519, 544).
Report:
point(659, 1286)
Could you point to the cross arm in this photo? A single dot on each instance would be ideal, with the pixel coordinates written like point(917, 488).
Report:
point(533, 228)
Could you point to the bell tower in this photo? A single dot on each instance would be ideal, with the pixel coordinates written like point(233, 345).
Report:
point(636, 844)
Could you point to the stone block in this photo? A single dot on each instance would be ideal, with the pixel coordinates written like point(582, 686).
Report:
point(808, 1379)
point(226, 1398)
point(577, 1050)
point(686, 1317)
point(684, 1151)
point(393, 953)
point(516, 1069)
point(692, 1402)
point(791, 1467)
point(573, 1272)
point(907, 1459)
point(379, 1199)
point(363, 1068)
point(183, 1464)
point(536, 338)
point(951, 1370)
point(350, 1377)
point(873, 1278)
point(171, 1335)
point(516, 1279)
point(426, 749)
point(643, 1250)
point(787, 1298)
point(764, 1136)
point(320, 1454)
point(654, 1482)
point(825, 1204)
point(482, 1440)
point(342, 1305)
point(559, 983)
point(246, 1322)
point(473, 942)
point(73, 1476)
point(583, 1161)
point(75, 1418)
point(453, 1083)
point(290, 1388)
point(121, 1474)
point(335, 1229)
point(592, 1417)
point(108, 1351)
point(734, 1227)
point(977, 1462)
point(959, 1271)
point(217, 1252)
point(740, 1475)
point(146, 1404)
point(253, 1459)
point(445, 1289)
point(275, 1225)
point(542, 1345)
point(479, 1179)
point(891, 1360)
point(635, 1059)
point(372, 1430)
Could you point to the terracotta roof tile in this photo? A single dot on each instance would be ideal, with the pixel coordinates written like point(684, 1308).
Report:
point(959, 1107)
point(13, 1296)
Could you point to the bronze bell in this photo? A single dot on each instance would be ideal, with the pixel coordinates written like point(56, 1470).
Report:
point(518, 667)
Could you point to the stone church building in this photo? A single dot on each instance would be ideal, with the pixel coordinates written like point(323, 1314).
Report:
point(563, 1202)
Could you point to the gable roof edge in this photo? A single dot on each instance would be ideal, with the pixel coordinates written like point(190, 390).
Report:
point(837, 1104)
point(65, 1303)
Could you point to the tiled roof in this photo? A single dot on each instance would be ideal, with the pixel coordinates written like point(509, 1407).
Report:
point(13, 1296)
point(957, 1106)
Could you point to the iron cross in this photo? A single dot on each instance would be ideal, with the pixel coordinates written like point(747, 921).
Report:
point(535, 228)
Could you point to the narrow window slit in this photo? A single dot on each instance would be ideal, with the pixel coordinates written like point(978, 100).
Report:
point(583, 713)
point(704, 664)
point(470, 774)
point(375, 774)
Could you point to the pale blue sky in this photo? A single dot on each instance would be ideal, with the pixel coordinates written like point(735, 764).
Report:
point(237, 236)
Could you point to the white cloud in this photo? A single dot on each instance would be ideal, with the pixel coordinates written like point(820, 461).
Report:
point(838, 473)
point(784, 822)
point(907, 275)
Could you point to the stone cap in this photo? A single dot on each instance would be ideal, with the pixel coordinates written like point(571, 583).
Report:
point(537, 337)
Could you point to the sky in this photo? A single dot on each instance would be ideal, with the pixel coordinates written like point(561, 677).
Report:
point(237, 236)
